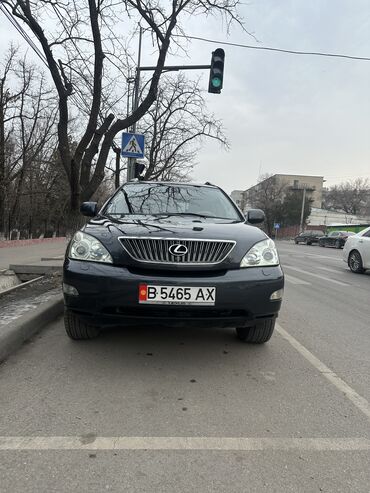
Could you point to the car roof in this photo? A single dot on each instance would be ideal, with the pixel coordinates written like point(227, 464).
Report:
point(177, 183)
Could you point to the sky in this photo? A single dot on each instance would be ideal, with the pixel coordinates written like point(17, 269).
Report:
point(284, 113)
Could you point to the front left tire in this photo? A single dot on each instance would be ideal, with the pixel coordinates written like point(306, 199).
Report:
point(259, 334)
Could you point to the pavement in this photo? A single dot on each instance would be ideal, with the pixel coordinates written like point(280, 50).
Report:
point(187, 410)
point(32, 254)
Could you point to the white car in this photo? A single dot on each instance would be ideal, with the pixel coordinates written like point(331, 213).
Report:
point(356, 251)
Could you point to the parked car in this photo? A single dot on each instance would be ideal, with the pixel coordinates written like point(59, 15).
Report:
point(356, 251)
point(172, 254)
point(308, 237)
point(335, 239)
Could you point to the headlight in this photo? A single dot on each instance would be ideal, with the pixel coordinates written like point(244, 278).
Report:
point(86, 247)
point(261, 254)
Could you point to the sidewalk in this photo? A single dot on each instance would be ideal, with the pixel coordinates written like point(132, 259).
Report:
point(32, 253)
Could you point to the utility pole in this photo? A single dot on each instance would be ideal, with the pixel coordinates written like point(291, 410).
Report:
point(303, 204)
point(131, 161)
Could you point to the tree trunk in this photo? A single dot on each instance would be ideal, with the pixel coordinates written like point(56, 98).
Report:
point(2, 173)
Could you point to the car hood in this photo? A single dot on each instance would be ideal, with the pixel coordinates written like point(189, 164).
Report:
point(110, 232)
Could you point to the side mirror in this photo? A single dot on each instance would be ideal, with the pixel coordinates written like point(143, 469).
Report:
point(89, 209)
point(255, 216)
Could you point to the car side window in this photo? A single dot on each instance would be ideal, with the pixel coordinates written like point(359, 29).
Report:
point(367, 234)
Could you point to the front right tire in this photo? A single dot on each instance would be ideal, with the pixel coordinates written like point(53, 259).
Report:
point(355, 262)
point(259, 334)
point(77, 329)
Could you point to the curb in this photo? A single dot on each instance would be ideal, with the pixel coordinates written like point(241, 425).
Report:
point(13, 335)
point(35, 241)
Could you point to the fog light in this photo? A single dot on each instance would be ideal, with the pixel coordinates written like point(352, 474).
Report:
point(67, 289)
point(277, 295)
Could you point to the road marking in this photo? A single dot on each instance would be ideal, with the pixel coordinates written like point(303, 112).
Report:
point(334, 281)
point(360, 402)
point(295, 280)
point(336, 271)
point(322, 256)
point(181, 443)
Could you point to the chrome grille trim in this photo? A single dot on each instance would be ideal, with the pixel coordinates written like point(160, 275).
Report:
point(155, 250)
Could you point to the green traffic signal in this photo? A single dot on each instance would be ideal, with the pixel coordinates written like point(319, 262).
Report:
point(216, 74)
point(216, 82)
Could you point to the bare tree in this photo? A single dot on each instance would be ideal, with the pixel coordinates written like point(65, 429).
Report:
point(175, 127)
point(268, 195)
point(83, 29)
point(352, 197)
point(27, 128)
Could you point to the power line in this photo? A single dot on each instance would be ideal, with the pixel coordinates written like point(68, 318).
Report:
point(34, 47)
point(23, 33)
point(268, 48)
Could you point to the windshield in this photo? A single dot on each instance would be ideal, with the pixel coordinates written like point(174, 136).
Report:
point(167, 199)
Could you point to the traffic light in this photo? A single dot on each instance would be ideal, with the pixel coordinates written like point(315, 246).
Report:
point(216, 74)
point(138, 170)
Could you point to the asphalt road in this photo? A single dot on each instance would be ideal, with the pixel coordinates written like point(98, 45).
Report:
point(161, 410)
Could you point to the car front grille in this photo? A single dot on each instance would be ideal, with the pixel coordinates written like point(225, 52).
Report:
point(192, 251)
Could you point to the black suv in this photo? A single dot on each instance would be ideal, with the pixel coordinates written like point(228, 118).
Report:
point(309, 237)
point(171, 254)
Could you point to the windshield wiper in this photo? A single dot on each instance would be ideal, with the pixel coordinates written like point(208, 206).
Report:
point(169, 214)
point(108, 216)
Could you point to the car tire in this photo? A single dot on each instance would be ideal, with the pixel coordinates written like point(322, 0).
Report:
point(355, 262)
point(321, 244)
point(337, 244)
point(258, 334)
point(77, 329)
point(296, 242)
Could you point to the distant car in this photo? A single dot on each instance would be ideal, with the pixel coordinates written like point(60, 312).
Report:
point(308, 237)
point(356, 251)
point(335, 239)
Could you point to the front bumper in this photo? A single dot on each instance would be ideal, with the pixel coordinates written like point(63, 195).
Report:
point(108, 295)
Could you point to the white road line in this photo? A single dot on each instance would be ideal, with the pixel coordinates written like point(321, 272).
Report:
point(323, 256)
point(360, 402)
point(296, 280)
point(336, 271)
point(182, 443)
point(334, 281)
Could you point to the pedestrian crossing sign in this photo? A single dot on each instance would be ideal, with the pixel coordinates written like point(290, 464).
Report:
point(133, 145)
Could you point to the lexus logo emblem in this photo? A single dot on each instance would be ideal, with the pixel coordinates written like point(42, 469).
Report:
point(178, 250)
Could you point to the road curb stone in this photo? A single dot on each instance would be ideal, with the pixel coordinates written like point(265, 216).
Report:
point(14, 334)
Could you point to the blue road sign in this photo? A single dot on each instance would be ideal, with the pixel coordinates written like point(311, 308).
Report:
point(133, 145)
point(276, 226)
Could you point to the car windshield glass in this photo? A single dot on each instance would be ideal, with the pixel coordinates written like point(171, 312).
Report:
point(168, 199)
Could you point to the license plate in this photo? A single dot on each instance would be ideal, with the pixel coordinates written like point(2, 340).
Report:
point(176, 295)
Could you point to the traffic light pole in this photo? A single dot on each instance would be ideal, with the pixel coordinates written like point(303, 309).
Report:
point(168, 68)
point(173, 68)
point(131, 160)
